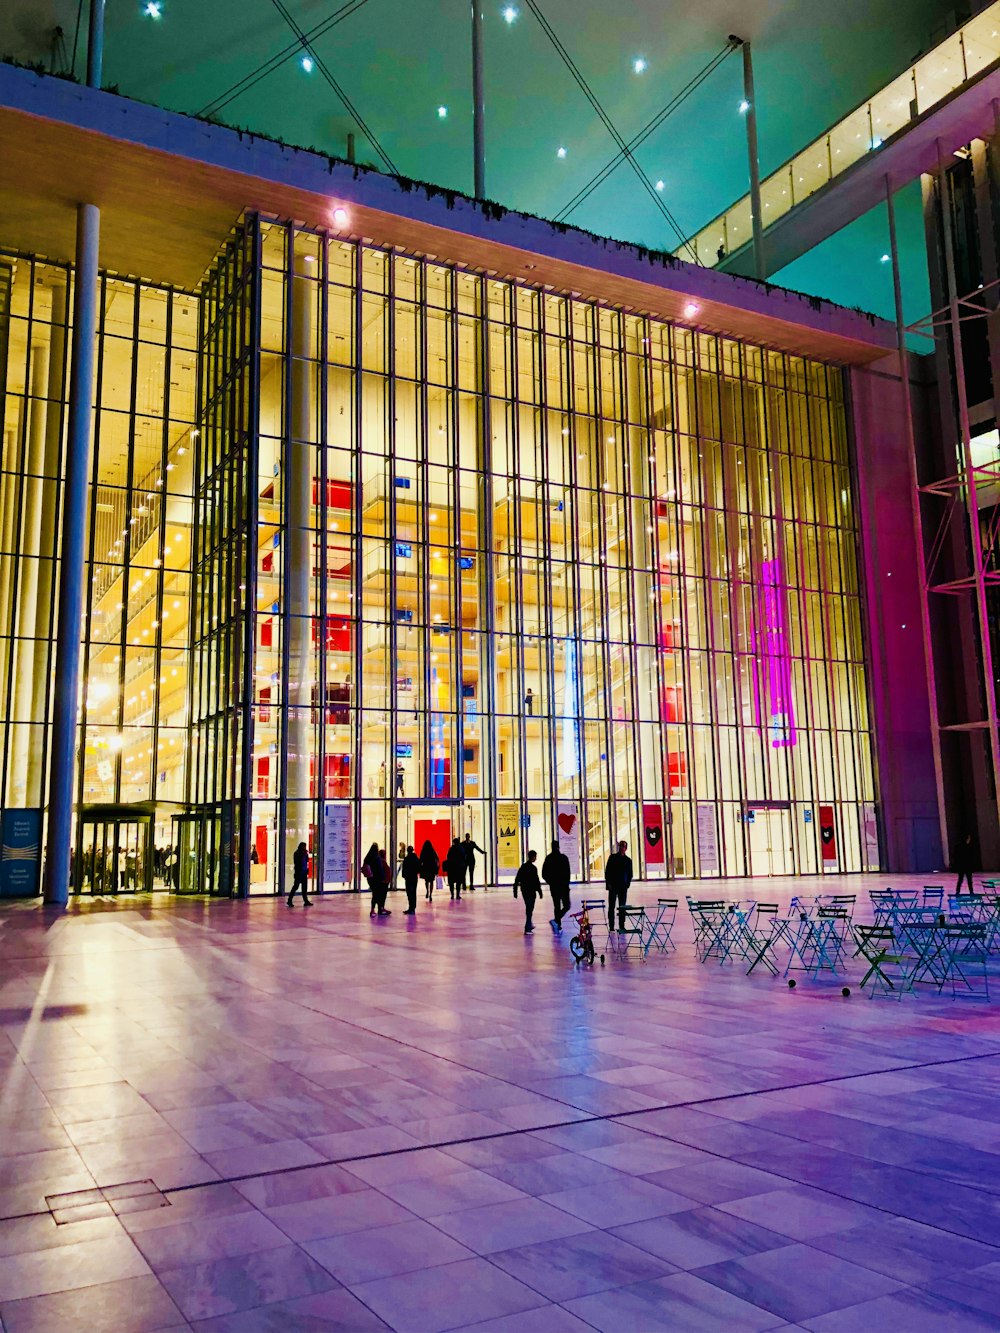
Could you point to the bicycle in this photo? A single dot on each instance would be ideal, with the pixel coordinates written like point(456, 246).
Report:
point(581, 946)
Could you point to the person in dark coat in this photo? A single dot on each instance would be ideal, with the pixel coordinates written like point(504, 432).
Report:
point(374, 870)
point(964, 863)
point(429, 867)
point(617, 878)
point(556, 872)
point(300, 874)
point(454, 867)
point(469, 849)
point(410, 870)
point(531, 888)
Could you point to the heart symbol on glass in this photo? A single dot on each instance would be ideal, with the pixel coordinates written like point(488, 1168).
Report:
point(653, 835)
point(566, 822)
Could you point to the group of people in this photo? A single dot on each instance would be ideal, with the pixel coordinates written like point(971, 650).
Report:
point(459, 866)
point(556, 872)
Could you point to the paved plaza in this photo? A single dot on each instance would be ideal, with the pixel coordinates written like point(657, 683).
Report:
point(236, 1118)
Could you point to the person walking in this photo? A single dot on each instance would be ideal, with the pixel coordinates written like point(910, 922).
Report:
point(429, 866)
point(374, 871)
point(469, 849)
point(556, 872)
point(454, 866)
point(531, 888)
point(300, 874)
point(410, 869)
point(964, 863)
point(617, 878)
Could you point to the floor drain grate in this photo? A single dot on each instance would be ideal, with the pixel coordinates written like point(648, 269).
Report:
point(132, 1196)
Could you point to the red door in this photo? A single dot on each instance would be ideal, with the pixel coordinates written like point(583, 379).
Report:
point(439, 833)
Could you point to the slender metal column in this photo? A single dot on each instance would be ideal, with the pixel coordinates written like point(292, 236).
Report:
point(71, 570)
point(95, 44)
point(911, 456)
point(478, 105)
point(975, 534)
point(751, 118)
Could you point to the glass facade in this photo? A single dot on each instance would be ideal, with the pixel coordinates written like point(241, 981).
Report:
point(385, 550)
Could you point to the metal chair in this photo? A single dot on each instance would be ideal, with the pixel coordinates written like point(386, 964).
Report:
point(661, 926)
point(633, 937)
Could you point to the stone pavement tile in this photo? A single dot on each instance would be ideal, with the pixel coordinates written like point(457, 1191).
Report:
point(447, 1297)
point(28, 1235)
point(358, 1143)
point(262, 1157)
point(224, 1286)
point(614, 1203)
point(501, 1226)
point(38, 1273)
point(797, 1282)
point(978, 1288)
point(311, 1182)
point(450, 1193)
point(363, 1256)
point(338, 1215)
point(678, 1304)
point(544, 1319)
point(908, 1251)
point(548, 1175)
point(801, 1212)
point(189, 1205)
point(578, 1265)
point(197, 1242)
point(334, 1311)
point(912, 1310)
point(700, 1236)
point(424, 1162)
point(714, 1180)
point(134, 1305)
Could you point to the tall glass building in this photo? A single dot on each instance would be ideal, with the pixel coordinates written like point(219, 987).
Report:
point(386, 546)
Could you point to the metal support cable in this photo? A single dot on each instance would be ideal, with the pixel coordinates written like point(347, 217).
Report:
point(269, 65)
point(640, 138)
point(324, 69)
point(606, 121)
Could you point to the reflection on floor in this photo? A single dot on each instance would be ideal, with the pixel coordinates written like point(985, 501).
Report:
point(262, 1119)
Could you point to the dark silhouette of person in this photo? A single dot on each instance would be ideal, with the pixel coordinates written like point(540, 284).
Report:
point(410, 870)
point(430, 864)
point(374, 869)
point(556, 872)
point(617, 878)
point(531, 889)
point(529, 702)
point(300, 874)
point(469, 849)
point(964, 863)
point(454, 866)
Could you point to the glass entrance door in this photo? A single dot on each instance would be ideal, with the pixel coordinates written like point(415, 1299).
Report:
point(769, 842)
point(114, 856)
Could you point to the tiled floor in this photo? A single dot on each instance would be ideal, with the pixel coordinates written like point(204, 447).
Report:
point(324, 1122)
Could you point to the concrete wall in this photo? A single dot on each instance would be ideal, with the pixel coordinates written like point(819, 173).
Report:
point(892, 574)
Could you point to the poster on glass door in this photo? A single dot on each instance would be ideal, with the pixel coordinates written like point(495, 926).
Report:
point(568, 833)
point(508, 836)
point(708, 839)
point(336, 844)
point(869, 835)
point(652, 833)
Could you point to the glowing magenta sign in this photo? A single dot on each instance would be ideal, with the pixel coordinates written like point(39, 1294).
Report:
point(773, 678)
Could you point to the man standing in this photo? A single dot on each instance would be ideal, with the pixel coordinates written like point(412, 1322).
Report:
point(469, 849)
point(617, 878)
point(556, 873)
point(528, 882)
point(410, 869)
point(300, 877)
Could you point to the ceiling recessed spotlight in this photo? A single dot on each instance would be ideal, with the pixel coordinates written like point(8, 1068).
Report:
point(884, 259)
point(509, 14)
point(560, 151)
point(639, 64)
point(340, 217)
point(307, 64)
point(744, 107)
point(661, 185)
point(153, 9)
point(691, 309)
point(442, 113)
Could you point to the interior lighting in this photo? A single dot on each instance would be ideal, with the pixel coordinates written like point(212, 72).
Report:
point(509, 14)
point(640, 64)
point(691, 309)
point(884, 259)
point(560, 151)
point(153, 9)
point(744, 107)
point(307, 63)
point(442, 113)
point(661, 186)
point(340, 217)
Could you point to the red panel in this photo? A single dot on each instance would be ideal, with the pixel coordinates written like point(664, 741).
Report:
point(827, 833)
point(263, 775)
point(676, 769)
point(652, 834)
point(439, 833)
point(260, 842)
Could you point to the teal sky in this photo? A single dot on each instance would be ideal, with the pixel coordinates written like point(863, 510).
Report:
point(814, 60)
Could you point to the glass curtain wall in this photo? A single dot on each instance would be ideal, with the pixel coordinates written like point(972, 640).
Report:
point(526, 565)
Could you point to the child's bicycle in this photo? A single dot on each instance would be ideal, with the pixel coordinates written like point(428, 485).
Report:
point(581, 946)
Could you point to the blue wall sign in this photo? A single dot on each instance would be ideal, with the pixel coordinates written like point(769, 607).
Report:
point(20, 853)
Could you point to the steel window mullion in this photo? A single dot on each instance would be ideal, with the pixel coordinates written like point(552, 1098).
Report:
point(286, 518)
point(322, 511)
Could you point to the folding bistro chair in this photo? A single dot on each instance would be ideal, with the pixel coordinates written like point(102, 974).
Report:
point(933, 896)
point(888, 971)
point(661, 926)
point(815, 943)
point(597, 911)
point(633, 938)
point(964, 949)
point(707, 920)
point(766, 931)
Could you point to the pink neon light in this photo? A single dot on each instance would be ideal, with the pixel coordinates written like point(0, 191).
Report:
point(774, 667)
